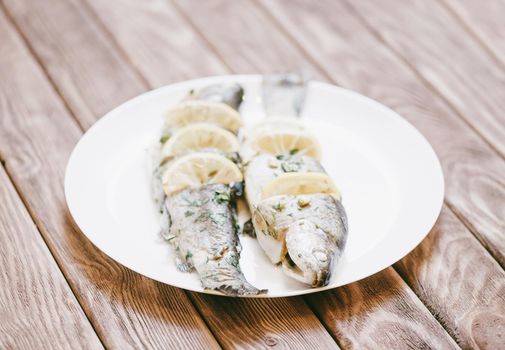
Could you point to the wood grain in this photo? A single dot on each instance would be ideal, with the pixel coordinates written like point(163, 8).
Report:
point(349, 43)
point(101, 69)
point(208, 19)
point(379, 313)
point(485, 20)
point(248, 43)
point(465, 75)
point(152, 34)
point(37, 307)
point(159, 299)
point(460, 283)
point(284, 323)
point(447, 57)
point(473, 171)
point(36, 137)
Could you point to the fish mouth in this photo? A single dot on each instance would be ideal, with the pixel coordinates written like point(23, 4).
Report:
point(305, 254)
point(316, 278)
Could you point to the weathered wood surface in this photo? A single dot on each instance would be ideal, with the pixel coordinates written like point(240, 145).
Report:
point(150, 33)
point(36, 137)
point(313, 328)
point(97, 54)
point(89, 57)
point(460, 283)
point(484, 19)
point(283, 323)
point(436, 45)
point(470, 80)
point(37, 307)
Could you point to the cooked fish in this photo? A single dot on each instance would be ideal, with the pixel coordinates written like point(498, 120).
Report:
point(200, 222)
point(306, 233)
point(203, 231)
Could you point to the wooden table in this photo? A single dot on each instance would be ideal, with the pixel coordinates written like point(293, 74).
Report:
point(64, 63)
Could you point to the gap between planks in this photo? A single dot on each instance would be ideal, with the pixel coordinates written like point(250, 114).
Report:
point(68, 110)
point(323, 71)
point(196, 309)
point(421, 77)
point(39, 63)
point(380, 38)
point(326, 75)
point(4, 168)
point(473, 33)
point(3, 162)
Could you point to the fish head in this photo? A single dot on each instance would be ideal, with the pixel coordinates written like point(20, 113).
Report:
point(309, 253)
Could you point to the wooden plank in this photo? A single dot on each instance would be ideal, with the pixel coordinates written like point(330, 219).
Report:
point(151, 34)
point(37, 306)
point(379, 312)
point(36, 137)
point(253, 53)
point(143, 287)
point(485, 20)
point(472, 188)
point(396, 86)
point(461, 284)
point(465, 75)
point(446, 56)
point(207, 21)
point(150, 41)
point(104, 79)
point(284, 323)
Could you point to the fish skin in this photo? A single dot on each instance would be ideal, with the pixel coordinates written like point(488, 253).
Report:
point(323, 223)
point(204, 234)
point(314, 235)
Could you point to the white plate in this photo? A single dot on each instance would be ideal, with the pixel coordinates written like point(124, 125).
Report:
point(390, 178)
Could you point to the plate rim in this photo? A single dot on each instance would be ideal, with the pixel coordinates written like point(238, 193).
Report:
point(400, 253)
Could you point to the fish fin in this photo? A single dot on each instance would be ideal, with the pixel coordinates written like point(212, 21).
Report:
point(244, 288)
point(183, 266)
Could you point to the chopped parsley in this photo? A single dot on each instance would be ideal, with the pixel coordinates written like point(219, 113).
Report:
point(207, 215)
point(188, 213)
point(188, 255)
point(195, 202)
point(164, 138)
point(294, 151)
point(221, 197)
point(279, 206)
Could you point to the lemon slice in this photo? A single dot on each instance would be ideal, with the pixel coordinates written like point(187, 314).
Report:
point(198, 136)
point(203, 111)
point(287, 141)
point(300, 183)
point(197, 169)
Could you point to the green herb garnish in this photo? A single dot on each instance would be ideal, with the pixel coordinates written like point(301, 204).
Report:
point(221, 197)
point(164, 139)
point(279, 206)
